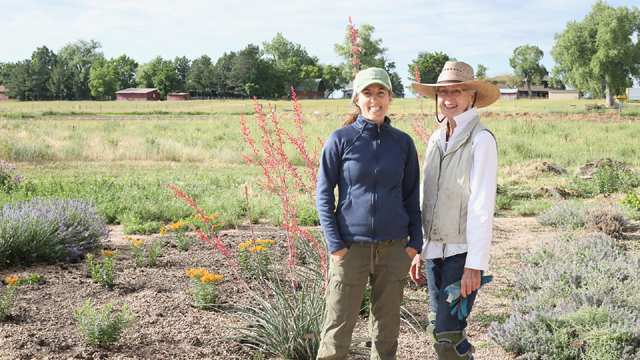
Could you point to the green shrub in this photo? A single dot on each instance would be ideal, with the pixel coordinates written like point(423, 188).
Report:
point(203, 288)
point(531, 207)
point(568, 215)
point(6, 301)
point(255, 258)
point(147, 256)
point(31, 279)
point(136, 227)
point(105, 326)
point(632, 200)
point(105, 273)
point(599, 108)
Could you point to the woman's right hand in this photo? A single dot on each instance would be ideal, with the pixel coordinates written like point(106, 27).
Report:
point(335, 256)
point(416, 273)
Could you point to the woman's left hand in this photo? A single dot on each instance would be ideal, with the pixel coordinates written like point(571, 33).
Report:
point(471, 281)
point(411, 251)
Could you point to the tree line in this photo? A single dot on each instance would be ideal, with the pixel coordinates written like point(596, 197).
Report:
point(80, 71)
point(597, 56)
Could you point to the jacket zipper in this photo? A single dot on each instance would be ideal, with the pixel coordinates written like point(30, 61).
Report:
point(375, 185)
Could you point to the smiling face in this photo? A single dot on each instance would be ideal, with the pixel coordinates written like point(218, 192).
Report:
point(374, 102)
point(453, 104)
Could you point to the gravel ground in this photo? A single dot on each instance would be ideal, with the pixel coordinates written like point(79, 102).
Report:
point(43, 325)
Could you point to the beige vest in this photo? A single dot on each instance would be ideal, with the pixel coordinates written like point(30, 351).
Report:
point(446, 186)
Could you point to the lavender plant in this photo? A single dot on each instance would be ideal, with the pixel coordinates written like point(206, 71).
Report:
point(8, 180)
point(53, 229)
point(578, 270)
point(603, 333)
point(568, 215)
point(577, 288)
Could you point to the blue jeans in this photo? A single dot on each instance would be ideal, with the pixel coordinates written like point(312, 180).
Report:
point(445, 272)
point(431, 286)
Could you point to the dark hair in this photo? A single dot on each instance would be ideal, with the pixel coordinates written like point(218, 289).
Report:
point(353, 114)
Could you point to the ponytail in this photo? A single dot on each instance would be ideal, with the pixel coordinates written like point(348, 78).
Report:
point(355, 111)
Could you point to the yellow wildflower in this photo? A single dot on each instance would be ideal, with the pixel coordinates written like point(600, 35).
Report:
point(257, 248)
point(211, 278)
point(137, 243)
point(197, 273)
point(128, 238)
point(12, 280)
point(197, 216)
point(242, 246)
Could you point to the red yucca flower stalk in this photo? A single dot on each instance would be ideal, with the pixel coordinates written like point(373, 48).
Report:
point(355, 48)
point(277, 168)
point(211, 237)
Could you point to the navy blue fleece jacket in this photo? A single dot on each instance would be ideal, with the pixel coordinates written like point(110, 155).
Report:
point(377, 173)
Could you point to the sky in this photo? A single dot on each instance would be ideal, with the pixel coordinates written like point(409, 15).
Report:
point(476, 32)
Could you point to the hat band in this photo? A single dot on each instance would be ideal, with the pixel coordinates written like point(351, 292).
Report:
point(449, 82)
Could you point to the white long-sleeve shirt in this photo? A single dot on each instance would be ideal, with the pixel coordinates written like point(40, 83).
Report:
point(483, 182)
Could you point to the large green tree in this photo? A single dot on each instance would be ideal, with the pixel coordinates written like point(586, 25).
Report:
point(125, 70)
point(481, 72)
point(42, 61)
point(5, 71)
point(222, 69)
point(80, 56)
point(331, 76)
point(202, 76)
point(526, 64)
point(102, 79)
point(59, 84)
point(243, 69)
point(430, 65)
point(599, 52)
point(20, 82)
point(182, 67)
point(292, 63)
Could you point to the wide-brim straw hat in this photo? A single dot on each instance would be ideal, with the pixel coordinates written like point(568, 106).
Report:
point(460, 73)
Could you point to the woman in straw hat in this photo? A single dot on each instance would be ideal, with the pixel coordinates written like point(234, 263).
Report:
point(375, 230)
point(458, 197)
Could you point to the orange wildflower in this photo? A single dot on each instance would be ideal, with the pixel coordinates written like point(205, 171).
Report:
point(12, 280)
point(108, 253)
point(257, 248)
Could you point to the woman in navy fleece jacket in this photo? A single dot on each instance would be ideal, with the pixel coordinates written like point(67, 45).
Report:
point(375, 230)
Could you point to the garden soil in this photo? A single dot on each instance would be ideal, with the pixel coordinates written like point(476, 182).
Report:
point(43, 324)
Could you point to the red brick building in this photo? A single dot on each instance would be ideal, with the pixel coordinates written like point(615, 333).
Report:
point(2, 94)
point(178, 97)
point(313, 89)
point(138, 94)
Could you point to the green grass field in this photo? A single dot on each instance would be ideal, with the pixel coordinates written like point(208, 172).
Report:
point(231, 107)
point(123, 162)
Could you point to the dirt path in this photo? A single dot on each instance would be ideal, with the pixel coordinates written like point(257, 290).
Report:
point(169, 327)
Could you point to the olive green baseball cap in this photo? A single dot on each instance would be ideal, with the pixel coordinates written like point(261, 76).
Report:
point(370, 76)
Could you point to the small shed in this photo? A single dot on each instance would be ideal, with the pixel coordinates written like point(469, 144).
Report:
point(508, 94)
point(178, 97)
point(564, 94)
point(311, 89)
point(138, 94)
point(3, 96)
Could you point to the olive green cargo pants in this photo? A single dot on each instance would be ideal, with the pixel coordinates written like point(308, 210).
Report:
point(386, 265)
